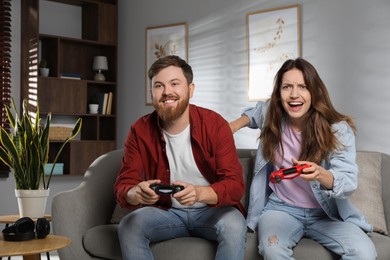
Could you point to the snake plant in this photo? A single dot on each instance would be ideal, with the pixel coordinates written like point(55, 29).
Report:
point(25, 149)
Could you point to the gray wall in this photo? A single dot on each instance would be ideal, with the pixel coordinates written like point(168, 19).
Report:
point(348, 41)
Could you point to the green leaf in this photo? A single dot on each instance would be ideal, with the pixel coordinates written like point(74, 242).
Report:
point(74, 133)
point(26, 148)
point(4, 157)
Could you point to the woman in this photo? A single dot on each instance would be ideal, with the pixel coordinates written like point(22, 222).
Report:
point(300, 125)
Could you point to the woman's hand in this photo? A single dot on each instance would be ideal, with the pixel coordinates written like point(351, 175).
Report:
point(316, 173)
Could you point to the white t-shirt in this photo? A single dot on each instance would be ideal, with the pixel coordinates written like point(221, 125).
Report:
point(182, 163)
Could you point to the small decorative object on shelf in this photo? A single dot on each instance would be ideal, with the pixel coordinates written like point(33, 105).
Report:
point(93, 108)
point(99, 65)
point(43, 69)
point(93, 105)
point(60, 132)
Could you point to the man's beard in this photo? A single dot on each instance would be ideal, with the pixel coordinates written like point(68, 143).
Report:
point(170, 114)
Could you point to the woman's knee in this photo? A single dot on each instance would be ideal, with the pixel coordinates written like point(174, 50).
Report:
point(274, 248)
point(278, 233)
point(366, 252)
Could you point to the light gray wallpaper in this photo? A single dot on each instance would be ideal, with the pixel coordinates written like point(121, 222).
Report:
point(347, 41)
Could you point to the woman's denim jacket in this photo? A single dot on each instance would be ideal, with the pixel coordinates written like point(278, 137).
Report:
point(341, 163)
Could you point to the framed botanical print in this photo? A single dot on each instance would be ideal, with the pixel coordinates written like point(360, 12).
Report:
point(273, 36)
point(162, 41)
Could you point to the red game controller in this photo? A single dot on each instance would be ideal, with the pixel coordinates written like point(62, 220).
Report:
point(287, 174)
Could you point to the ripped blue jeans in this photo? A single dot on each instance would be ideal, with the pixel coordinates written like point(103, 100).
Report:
point(281, 226)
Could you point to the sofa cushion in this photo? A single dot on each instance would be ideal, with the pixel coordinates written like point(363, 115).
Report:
point(188, 248)
point(102, 241)
point(368, 196)
point(247, 168)
point(119, 213)
point(381, 243)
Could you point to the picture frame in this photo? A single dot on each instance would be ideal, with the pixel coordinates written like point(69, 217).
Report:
point(161, 41)
point(273, 36)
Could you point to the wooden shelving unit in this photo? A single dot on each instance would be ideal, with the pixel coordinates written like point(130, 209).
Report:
point(68, 98)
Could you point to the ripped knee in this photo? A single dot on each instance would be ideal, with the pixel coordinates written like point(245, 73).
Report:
point(269, 247)
point(273, 240)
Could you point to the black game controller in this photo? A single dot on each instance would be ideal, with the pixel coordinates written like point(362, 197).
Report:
point(166, 189)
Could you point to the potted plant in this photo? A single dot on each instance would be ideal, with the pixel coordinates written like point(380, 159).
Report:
point(93, 104)
point(25, 149)
point(43, 69)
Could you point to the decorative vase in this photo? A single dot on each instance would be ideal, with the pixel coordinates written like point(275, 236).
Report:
point(32, 203)
point(44, 72)
point(93, 108)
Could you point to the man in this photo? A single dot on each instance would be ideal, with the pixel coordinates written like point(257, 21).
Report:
point(186, 145)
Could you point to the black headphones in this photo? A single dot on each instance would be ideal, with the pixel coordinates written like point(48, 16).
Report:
point(23, 229)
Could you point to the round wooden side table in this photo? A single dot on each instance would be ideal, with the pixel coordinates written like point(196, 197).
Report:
point(31, 249)
point(10, 219)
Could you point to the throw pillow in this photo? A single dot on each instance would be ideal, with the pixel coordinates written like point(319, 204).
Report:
point(368, 196)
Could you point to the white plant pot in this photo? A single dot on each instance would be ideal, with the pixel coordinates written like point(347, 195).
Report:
point(44, 72)
point(32, 203)
point(93, 108)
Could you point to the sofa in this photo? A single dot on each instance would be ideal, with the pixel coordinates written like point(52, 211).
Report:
point(89, 216)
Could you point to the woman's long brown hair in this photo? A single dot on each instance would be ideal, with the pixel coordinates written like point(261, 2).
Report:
point(318, 139)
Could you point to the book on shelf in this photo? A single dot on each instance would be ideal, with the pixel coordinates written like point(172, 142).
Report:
point(70, 76)
point(105, 103)
point(105, 100)
point(100, 100)
point(109, 104)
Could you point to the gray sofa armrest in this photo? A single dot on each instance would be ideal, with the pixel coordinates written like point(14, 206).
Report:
point(89, 205)
point(385, 171)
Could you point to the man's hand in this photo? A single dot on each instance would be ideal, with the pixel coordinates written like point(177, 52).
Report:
point(142, 194)
point(192, 194)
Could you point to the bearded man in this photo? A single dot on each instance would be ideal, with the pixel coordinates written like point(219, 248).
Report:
point(186, 146)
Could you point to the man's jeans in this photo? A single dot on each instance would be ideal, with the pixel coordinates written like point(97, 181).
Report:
point(281, 226)
point(148, 225)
